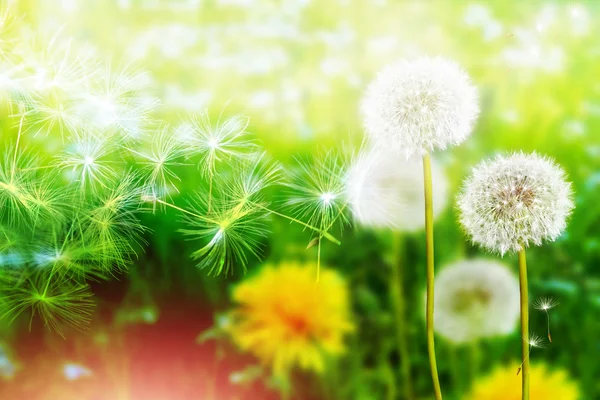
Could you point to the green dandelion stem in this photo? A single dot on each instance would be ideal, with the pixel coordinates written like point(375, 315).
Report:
point(14, 164)
point(398, 298)
point(548, 319)
point(430, 274)
point(210, 187)
point(475, 353)
point(37, 168)
point(322, 232)
point(183, 210)
point(524, 322)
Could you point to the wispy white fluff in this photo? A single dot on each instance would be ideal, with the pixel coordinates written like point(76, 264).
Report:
point(420, 105)
point(514, 201)
point(475, 299)
point(384, 191)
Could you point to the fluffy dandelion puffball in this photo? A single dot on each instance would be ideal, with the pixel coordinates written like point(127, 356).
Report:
point(514, 201)
point(287, 320)
point(475, 299)
point(385, 192)
point(420, 105)
point(504, 384)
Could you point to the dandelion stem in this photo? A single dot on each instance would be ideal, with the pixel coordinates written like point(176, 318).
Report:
point(183, 210)
point(14, 163)
point(475, 354)
point(322, 232)
point(398, 298)
point(430, 274)
point(210, 185)
point(524, 322)
point(548, 319)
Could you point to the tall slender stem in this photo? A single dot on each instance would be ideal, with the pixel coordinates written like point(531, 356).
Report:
point(475, 353)
point(322, 232)
point(183, 210)
point(430, 274)
point(524, 323)
point(210, 185)
point(398, 298)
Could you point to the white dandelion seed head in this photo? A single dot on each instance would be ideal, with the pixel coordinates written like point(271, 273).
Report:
point(420, 105)
point(475, 299)
point(514, 201)
point(387, 192)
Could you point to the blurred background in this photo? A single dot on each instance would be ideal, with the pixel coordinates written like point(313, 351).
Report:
point(298, 69)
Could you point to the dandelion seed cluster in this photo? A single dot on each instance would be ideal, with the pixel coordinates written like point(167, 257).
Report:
point(416, 106)
point(87, 157)
point(514, 201)
point(475, 299)
point(384, 192)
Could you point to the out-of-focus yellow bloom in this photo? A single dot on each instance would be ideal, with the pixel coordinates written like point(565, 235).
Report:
point(287, 319)
point(505, 384)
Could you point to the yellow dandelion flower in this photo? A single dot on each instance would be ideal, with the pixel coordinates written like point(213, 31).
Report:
point(287, 320)
point(505, 384)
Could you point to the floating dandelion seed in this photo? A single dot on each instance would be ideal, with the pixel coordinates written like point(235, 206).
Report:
point(545, 304)
point(317, 190)
point(232, 231)
point(384, 192)
point(53, 111)
point(514, 201)
point(158, 160)
point(58, 302)
point(475, 299)
point(253, 176)
point(87, 162)
point(47, 201)
point(225, 140)
point(16, 175)
point(70, 256)
point(235, 221)
point(532, 341)
point(420, 105)
point(116, 102)
point(111, 225)
point(317, 196)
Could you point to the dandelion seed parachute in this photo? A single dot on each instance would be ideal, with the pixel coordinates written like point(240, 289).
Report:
point(317, 190)
point(87, 162)
point(232, 232)
point(514, 201)
point(420, 105)
point(223, 140)
point(475, 299)
point(58, 302)
point(161, 153)
point(385, 192)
